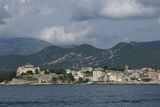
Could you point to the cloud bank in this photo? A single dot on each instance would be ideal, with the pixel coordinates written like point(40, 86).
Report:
point(102, 23)
point(60, 35)
point(3, 14)
point(113, 9)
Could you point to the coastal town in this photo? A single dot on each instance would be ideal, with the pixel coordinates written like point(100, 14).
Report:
point(29, 74)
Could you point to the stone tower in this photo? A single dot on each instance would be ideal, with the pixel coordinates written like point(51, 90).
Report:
point(126, 68)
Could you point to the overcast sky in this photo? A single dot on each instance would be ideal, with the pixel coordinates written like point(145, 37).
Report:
point(102, 23)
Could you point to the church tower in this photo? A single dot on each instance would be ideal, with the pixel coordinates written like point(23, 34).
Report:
point(126, 68)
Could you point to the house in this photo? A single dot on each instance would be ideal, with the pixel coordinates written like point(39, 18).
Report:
point(78, 74)
point(148, 74)
point(135, 75)
point(154, 76)
point(113, 76)
point(98, 75)
point(87, 69)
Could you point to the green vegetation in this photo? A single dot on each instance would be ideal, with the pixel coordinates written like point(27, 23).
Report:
point(136, 55)
point(29, 73)
point(54, 79)
point(70, 77)
point(66, 78)
point(21, 46)
point(58, 71)
point(88, 73)
point(46, 72)
point(113, 68)
point(81, 80)
point(7, 75)
point(27, 77)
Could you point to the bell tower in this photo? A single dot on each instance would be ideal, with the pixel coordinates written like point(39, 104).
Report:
point(126, 68)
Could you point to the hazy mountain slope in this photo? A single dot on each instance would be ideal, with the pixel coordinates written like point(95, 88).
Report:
point(21, 46)
point(144, 54)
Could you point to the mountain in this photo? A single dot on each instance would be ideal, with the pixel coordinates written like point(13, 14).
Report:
point(70, 46)
point(135, 54)
point(58, 57)
point(21, 46)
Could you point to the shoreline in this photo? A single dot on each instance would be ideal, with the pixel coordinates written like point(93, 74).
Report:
point(47, 84)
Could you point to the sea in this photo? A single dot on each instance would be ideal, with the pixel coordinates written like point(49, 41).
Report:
point(80, 96)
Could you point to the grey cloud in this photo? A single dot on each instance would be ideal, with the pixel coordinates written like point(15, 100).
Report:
point(3, 14)
point(76, 33)
point(115, 9)
point(26, 16)
point(56, 20)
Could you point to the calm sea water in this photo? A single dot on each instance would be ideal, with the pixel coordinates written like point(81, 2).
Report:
point(80, 96)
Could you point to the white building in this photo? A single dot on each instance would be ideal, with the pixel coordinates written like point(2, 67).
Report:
point(28, 67)
point(76, 74)
point(135, 74)
point(68, 71)
point(113, 76)
point(98, 75)
point(87, 69)
point(45, 78)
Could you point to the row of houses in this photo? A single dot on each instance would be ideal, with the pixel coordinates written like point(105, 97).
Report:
point(101, 75)
point(140, 75)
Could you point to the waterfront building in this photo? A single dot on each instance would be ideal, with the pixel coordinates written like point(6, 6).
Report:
point(154, 76)
point(98, 69)
point(27, 68)
point(80, 75)
point(159, 76)
point(87, 69)
point(98, 75)
point(134, 75)
point(68, 71)
point(113, 76)
point(45, 78)
point(148, 74)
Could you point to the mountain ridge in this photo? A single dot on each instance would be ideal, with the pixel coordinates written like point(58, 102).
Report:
point(135, 54)
point(21, 46)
